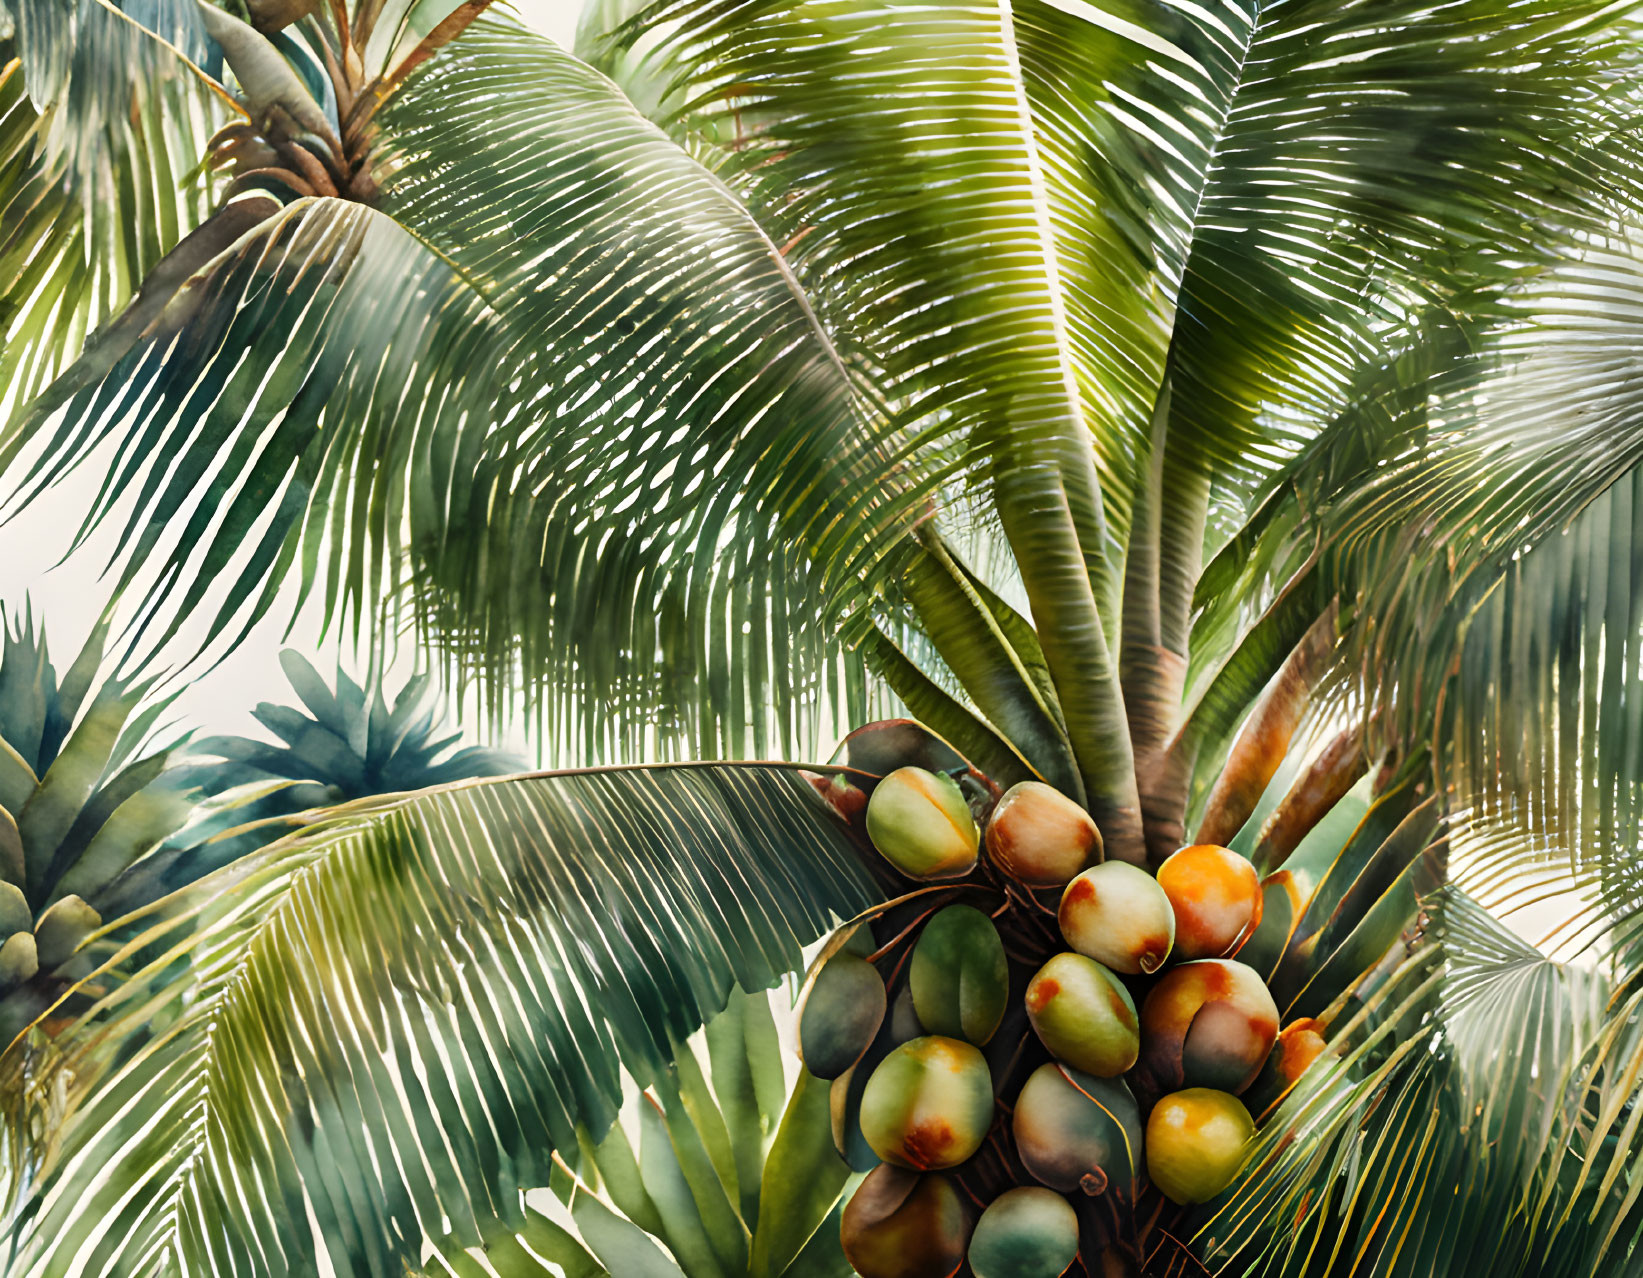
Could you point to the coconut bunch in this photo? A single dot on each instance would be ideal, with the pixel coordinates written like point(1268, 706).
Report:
point(1033, 1052)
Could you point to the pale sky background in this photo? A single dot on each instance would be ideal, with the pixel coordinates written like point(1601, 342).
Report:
point(555, 18)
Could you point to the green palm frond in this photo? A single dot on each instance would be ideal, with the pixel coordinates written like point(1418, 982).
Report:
point(1353, 262)
point(499, 948)
point(1019, 285)
point(1376, 162)
point(1475, 506)
point(1234, 231)
point(1518, 665)
point(1256, 191)
point(1550, 427)
point(103, 119)
point(1434, 1135)
point(1103, 263)
point(1024, 265)
point(1543, 717)
point(84, 63)
point(711, 472)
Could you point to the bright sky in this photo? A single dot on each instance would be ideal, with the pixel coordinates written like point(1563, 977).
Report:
point(555, 18)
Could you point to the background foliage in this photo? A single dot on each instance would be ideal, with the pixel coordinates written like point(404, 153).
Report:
point(1110, 384)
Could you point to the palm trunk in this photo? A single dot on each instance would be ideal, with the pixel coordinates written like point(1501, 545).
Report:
point(1041, 525)
point(1142, 673)
point(1160, 574)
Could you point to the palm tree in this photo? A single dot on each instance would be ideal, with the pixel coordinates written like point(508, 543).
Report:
point(1223, 412)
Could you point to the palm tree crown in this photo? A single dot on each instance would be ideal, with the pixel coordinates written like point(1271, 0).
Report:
point(1223, 413)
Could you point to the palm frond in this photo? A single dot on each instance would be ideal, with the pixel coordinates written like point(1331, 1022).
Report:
point(1377, 161)
point(1348, 268)
point(1546, 730)
point(1018, 287)
point(1482, 536)
point(1459, 452)
point(388, 1023)
point(1476, 510)
point(84, 64)
point(104, 114)
point(1302, 176)
point(1366, 219)
point(1429, 1138)
point(569, 514)
point(1228, 250)
point(1489, 537)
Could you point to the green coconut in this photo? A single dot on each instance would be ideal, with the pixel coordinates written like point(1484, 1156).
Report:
point(928, 1105)
point(959, 975)
point(920, 823)
point(1028, 1232)
point(842, 1009)
point(1084, 1015)
point(1076, 1131)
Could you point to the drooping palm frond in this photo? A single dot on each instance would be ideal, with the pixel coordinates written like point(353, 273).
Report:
point(1322, 333)
point(1474, 508)
point(1378, 161)
point(1427, 1140)
point(1543, 714)
point(1233, 214)
point(1018, 285)
point(390, 1022)
point(1546, 727)
point(1301, 177)
point(1486, 529)
point(1550, 427)
point(710, 471)
point(1106, 269)
point(103, 118)
point(84, 63)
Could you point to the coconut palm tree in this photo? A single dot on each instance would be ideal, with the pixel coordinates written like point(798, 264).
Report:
point(1222, 413)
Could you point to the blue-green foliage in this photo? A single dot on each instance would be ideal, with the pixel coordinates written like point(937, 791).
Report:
point(84, 803)
point(82, 811)
point(343, 743)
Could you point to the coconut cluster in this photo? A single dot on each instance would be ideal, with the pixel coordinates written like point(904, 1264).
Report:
point(1050, 1037)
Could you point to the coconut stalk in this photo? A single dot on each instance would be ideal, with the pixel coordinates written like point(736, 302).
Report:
point(1324, 783)
point(1263, 741)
